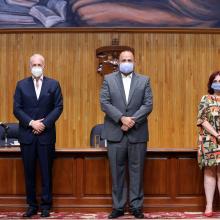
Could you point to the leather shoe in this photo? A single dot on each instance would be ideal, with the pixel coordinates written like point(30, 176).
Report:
point(45, 213)
point(115, 214)
point(137, 213)
point(30, 211)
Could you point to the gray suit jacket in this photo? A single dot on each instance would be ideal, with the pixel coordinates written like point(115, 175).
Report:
point(113, 103)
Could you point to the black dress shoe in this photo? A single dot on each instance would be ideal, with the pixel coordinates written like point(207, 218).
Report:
point(30, 211)
point(45, 213)
point(115, 214)
point(137, 213)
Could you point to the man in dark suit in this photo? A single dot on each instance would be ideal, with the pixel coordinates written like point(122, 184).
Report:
point(126, 99)
point(38, 103)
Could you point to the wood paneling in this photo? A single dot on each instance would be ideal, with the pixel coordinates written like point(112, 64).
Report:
point(81, 181)
point(161, 168)
point(97, 183)
point(188, 178)
point(6, 176)
point(64, 171)
point(178, 63)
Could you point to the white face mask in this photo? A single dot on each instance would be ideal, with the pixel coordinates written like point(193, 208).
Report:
point(37, 71)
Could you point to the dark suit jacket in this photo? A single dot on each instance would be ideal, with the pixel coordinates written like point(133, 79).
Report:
point(26, 108)
point(113, 103)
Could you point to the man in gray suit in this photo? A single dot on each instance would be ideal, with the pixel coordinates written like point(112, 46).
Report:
point(126, 99)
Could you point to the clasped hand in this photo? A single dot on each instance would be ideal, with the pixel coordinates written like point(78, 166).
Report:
point(38, 126)
point(128, 122)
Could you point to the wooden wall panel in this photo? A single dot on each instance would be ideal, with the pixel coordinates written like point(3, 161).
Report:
point(81, 181)
point(160, 165)
point(7, 176)
point(188, 177)
point(64, 172)
point(178, 63)
point(97, 183)
point(19, 177)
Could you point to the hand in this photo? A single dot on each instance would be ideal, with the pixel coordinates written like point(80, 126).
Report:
point(37, 126)
point(124, 128)
point(36, 132)
point(128, 121)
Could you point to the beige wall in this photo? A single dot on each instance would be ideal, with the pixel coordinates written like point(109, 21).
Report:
point(178, 63)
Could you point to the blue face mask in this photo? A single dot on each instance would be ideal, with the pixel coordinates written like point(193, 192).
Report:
point(215, 86)
point(126, 67)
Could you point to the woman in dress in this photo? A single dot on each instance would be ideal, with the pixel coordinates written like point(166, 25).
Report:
point(209, 139)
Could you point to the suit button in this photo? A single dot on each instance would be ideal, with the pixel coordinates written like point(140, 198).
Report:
point(126, 110)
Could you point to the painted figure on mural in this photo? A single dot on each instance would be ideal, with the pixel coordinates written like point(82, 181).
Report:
point(150, 13)
point(103, 13)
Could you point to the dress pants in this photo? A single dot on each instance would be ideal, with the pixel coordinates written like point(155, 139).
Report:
point(122, 156)
point(45, 155)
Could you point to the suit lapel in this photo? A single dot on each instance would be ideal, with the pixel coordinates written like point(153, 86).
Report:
point(120, 86)
point(31, 88)
point(134, 80)
point(43, 87)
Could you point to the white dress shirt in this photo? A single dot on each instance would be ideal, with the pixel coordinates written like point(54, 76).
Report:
point(38, 85)
point(127, 83)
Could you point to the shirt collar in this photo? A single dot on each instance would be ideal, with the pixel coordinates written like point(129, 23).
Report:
point(41, 78)
point(126, 77)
